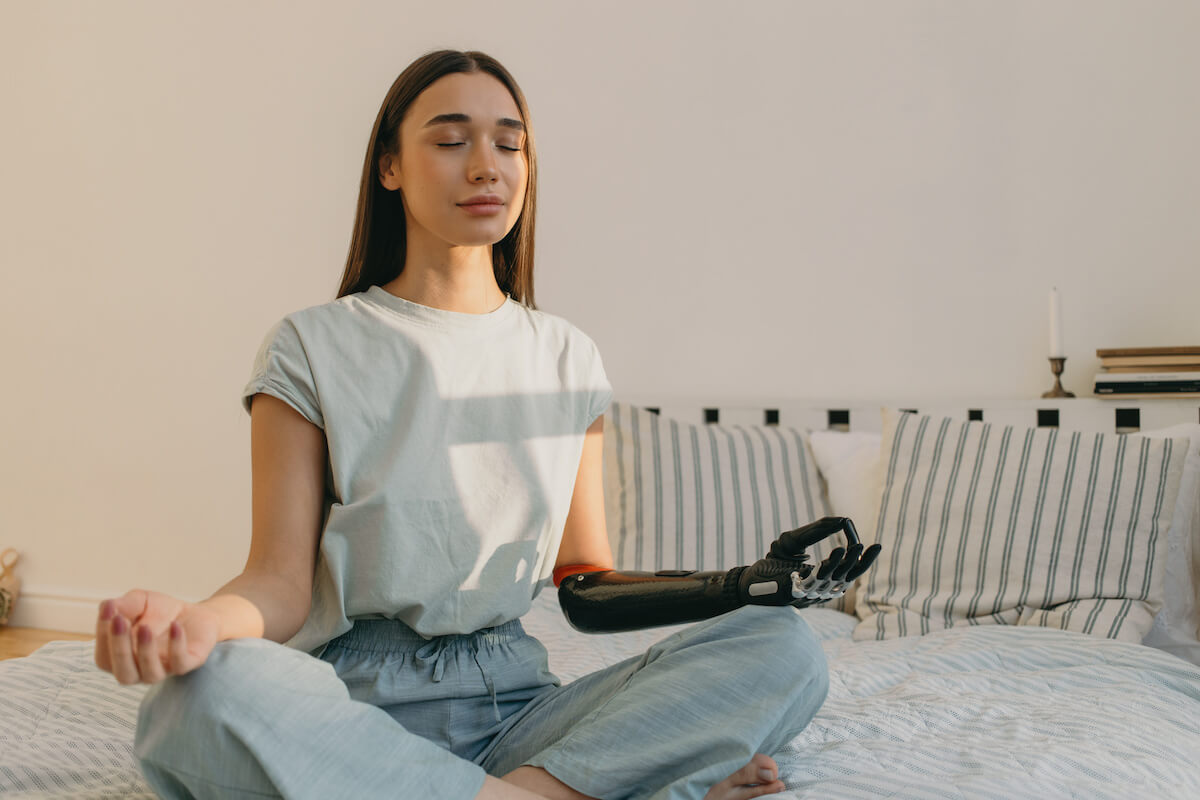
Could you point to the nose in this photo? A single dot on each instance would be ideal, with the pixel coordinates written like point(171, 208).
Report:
point(483, 167)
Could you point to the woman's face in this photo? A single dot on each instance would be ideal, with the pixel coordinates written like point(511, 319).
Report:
point(461, 137)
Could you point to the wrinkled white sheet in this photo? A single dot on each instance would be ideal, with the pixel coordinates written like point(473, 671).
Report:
point(974, 712)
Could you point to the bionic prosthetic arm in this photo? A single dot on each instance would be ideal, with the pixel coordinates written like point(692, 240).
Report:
point(605, 601)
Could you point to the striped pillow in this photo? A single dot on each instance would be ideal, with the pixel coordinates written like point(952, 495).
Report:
point(705, 497)
point(982, 524)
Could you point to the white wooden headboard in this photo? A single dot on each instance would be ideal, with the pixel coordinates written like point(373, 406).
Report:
point(1080, 413)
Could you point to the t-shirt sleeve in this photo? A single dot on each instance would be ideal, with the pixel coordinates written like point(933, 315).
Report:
point(281, 369)
point(602, 390)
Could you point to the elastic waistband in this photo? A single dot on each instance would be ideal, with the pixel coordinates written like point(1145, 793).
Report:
point(392, 635)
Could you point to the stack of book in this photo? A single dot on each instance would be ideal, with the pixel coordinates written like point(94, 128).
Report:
point(1146, 371)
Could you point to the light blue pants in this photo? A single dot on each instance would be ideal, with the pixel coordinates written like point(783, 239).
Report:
point(385, 713)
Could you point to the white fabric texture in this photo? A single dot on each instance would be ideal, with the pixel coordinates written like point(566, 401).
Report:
point(849, 463)
point(987, 712)
point(999, 712)
point(983, 524)
point(705, 497)
point(850, 466)
point(1176, 628)
point(454, 442)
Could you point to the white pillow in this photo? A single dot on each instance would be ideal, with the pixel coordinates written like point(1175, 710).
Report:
point(1176, 628)
point(849, 462)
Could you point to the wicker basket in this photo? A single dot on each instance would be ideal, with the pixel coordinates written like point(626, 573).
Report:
point(10, 584)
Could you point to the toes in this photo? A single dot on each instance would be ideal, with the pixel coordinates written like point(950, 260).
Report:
point(764, 761)
point(746, 775)
point(762, 769)
point(745, 791)
point(757, 778)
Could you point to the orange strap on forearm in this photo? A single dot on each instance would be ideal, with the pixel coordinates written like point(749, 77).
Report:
point(575, 569)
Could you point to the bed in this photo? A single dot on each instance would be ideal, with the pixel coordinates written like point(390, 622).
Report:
point(1073, 692)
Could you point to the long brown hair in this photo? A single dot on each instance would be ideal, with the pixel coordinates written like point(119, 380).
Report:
point(378, 243)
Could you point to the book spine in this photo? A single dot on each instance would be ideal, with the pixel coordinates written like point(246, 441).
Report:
point(1102, 352)
point(1109, 369)
point(1147, 388)
point(1144, 395)
point(1151, 361)
point(1147, 377)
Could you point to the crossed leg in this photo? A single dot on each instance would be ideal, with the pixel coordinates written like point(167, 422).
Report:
point(695, 716)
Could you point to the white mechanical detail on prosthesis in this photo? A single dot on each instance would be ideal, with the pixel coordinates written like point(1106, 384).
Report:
point(814, 588)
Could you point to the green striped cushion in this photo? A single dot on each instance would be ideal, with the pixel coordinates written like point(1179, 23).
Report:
point(705, 497)
point(982, 524)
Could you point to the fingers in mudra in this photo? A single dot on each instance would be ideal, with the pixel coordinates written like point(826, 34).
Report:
point(766, 582)
point(839, 569)
point(822, 586)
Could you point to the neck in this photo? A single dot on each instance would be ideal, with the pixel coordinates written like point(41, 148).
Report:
point(461, 280)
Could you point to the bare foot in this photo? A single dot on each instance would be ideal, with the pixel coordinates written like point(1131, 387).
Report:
point(759, 777)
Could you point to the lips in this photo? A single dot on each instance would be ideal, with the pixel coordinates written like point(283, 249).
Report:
point(482, 209)
point(483, 200)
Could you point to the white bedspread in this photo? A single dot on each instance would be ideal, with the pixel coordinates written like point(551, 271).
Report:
point(987, 712)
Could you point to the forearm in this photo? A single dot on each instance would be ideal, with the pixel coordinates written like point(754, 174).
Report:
point(610, 601)
point(600, 600)
point(258, 604)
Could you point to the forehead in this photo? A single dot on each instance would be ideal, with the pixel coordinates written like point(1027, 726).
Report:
point(479, 95)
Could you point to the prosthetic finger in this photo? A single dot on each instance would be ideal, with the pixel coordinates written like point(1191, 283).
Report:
point(852, 556)
point(864, 563)
point(824, 584)
point(837, 578)
point(792, 544)
point(831, 563)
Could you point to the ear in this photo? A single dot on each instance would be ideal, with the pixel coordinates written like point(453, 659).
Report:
point(389, 171)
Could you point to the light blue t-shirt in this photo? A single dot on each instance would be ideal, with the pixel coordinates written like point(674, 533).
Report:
point(454, 441)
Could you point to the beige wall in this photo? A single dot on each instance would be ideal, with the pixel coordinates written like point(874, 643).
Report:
point(759, 198)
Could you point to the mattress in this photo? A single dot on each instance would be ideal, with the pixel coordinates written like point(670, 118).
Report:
point(971, 712)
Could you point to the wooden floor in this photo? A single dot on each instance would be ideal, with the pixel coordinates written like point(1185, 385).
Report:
point(17, 642)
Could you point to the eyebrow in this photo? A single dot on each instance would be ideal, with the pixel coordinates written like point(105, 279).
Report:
point(504, 122)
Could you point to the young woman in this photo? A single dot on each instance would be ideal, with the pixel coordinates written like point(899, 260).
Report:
point(426, 448)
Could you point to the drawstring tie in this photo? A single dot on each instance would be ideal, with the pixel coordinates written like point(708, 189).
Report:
point(487, 679)
point(436, 650)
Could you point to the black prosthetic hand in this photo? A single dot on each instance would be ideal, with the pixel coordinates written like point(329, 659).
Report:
point(609, 601)
point(784, 576)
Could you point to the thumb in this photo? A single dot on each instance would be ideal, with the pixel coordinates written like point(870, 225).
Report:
point(154, 611)
point(160, 613)
point(132, 604)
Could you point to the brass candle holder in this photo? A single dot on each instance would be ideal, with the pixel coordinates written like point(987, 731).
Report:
point(1056, 366)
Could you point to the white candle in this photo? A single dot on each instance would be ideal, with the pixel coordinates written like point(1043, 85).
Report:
point(1056, 345)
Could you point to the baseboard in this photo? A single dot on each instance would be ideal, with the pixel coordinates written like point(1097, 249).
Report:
point(57, 610)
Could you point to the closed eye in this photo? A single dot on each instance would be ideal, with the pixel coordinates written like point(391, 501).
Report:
point(502, 147)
